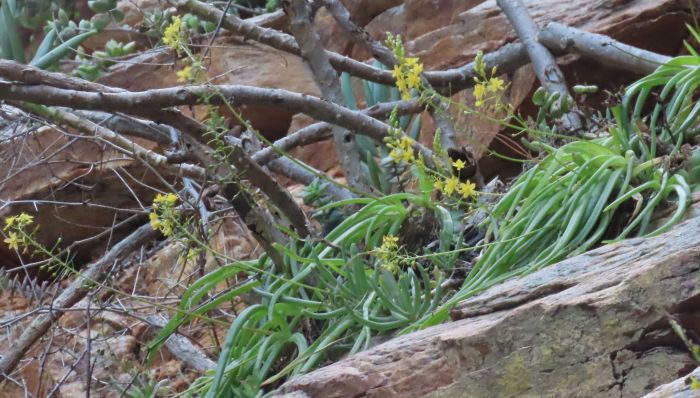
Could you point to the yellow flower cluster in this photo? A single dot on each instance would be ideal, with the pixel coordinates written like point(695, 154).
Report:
point(407, 74)
point(493, 85)
point(407, 70)
point(401, 148)
point(190, 73)
point(14, 226)
point(163, 216)
point(485, 84)
point(185, 75)
point(451, 184)
point(173, 35)
point(388, 253)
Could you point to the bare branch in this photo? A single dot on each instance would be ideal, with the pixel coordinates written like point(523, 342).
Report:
point(139, 102)
point(602, 48)
point(326, 79)
point(322, 130)
point(126, 146)
point(438, 111)
point(545, 65)
point(306, 175)
point(183, 349)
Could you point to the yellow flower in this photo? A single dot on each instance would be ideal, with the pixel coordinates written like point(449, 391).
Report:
point(450, 185)
point(438, 185)
point(495, 85)
point(154, 219)
point(390, 242)
point(407, 74)
point(694, 383)
point(25, 219)
point(406, 143)
point(168, 200)
point(10, 222)
point(397, 72)
point(458, 164)
point(163, 214)
point(172, 36)
point(184, 75)
point(167, 228)
point(20, 221)
point(388, 253)
point(479, 91)
point(467, 189)
point(415, 68)
point(480, 64)
point(13, 241)
point(413, 80)
point(395, 155)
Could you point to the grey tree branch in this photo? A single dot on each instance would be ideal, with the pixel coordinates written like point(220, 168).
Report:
point(96, 273)
point(256, 218)
point(507, 58)
point(140, 102)
point(510, 59)
point(326, 78)
point(558, 38)
point(438, 111)
point(183, 349)
point(126, 146)
point(313, 133)
point(290, 169)
point(300, 172)
point(545, 65)
point(127, 125)
point(279, 197)
point(322, 130)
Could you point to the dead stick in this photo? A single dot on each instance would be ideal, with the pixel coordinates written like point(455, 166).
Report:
point(183, 349)
point(143, 102)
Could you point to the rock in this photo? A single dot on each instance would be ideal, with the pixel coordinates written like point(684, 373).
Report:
point(230, 61)
point(71, 390)
point(333, 37)
point(134, 10)
point(680, 388)
point(595, 325)
point(58, 179)
point(124, 347)
point(457, 29)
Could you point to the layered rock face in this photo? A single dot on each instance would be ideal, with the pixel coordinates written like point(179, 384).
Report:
point(595, 325)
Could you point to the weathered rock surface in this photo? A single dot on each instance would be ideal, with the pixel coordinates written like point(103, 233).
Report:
point(680, 388)
point(595, 325)
point(74, 188)
point(230, 61)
